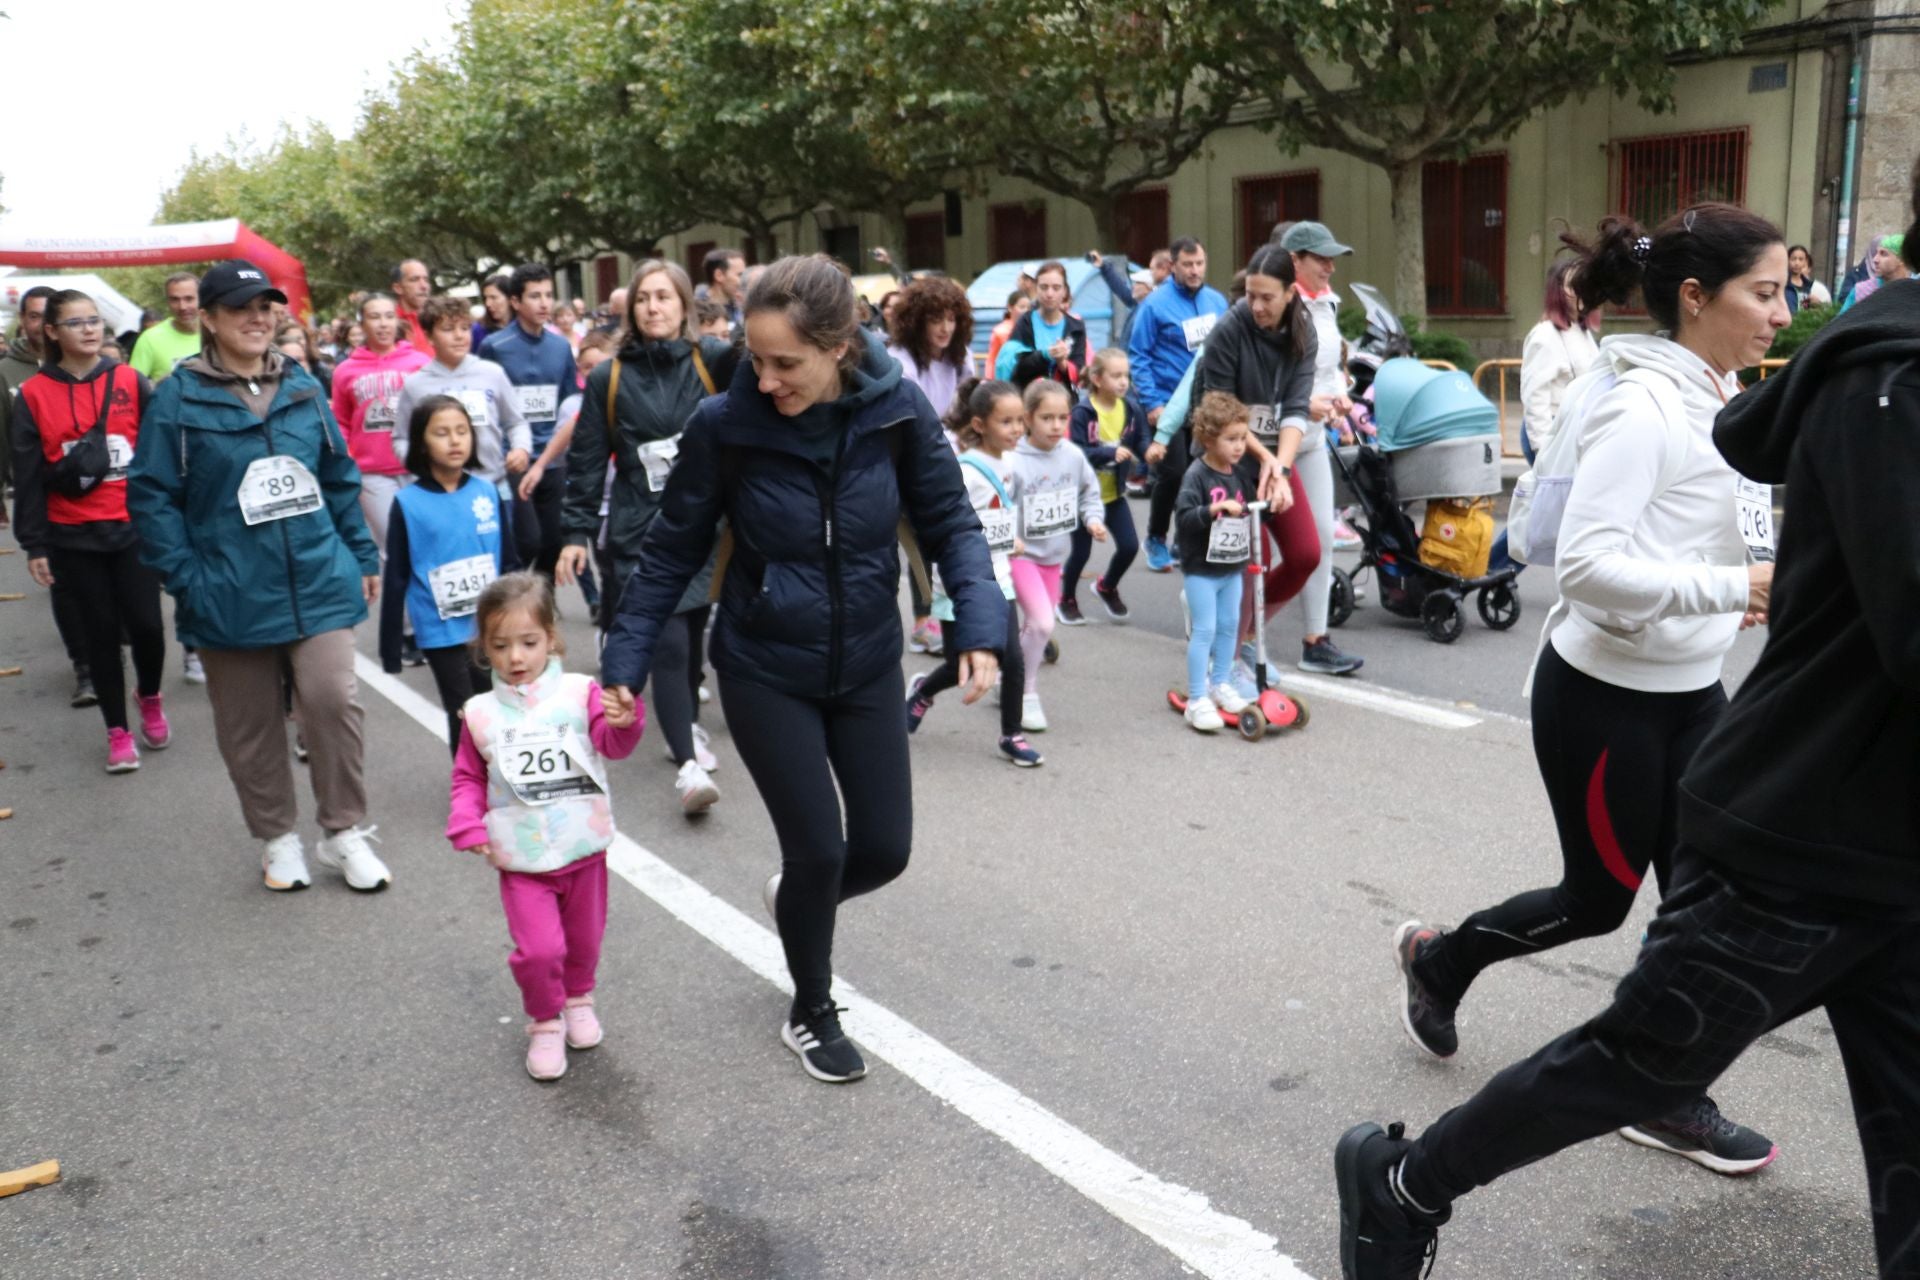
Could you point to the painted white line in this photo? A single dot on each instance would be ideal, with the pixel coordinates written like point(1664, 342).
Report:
point(1180, 1220)
point(1392, 702)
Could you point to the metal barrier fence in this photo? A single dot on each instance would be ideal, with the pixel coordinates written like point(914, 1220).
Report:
point(1510, 443)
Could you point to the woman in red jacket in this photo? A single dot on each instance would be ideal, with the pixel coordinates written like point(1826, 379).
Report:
point(75, 424)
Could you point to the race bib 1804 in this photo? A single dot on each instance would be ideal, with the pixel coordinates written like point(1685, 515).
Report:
point(1753, 503)
point(1047, 512)
point(457, 585)
point(545, 763)
point(275, 488)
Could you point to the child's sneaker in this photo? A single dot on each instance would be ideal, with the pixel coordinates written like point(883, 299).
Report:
point(1159, 558)
point(122, 755)
point(917, 706)
point(1068, 612)
point(546, 1049)
point(1228, 699)
point(1032, 718)
point(926, 637)
point(582, 1024)
point(1344, 538)
point(283, 864)
point(1110, 601)
point(155, 734)
point(823, 1047)
point(1020, 752)
point(1204, 716)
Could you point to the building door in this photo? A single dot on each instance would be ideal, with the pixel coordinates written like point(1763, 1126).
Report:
point(1018, 231)
point(1140, 224)
point(926, 247)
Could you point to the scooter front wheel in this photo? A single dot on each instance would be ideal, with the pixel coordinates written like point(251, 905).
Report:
point(1252, 725)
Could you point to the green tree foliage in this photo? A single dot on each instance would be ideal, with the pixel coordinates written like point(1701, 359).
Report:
point(1397, 83)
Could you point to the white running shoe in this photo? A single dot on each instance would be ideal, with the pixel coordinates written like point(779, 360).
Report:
point(1228, 699)
point(695, 789)
point(702, 750)
point(349, 853)
point(1204, 716)
point(1032, 718)
point(191, 669)
point(283, 865)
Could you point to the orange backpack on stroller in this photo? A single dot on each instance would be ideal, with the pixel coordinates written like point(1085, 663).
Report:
point(1458, 535)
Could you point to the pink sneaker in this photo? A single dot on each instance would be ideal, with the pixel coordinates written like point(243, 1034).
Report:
point(122, 755)
point(547, 1050)
point(154, 730)
point(583, 1027)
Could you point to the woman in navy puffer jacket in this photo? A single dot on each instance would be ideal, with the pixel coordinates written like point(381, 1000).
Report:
point(813, 455)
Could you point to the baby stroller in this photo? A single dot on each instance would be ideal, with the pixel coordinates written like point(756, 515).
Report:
point(1438, 438)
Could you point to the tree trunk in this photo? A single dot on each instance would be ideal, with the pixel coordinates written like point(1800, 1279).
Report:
point(1409, 240)
point(1106, 221)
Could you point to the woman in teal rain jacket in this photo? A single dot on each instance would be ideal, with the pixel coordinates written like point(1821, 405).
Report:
point(248, 505)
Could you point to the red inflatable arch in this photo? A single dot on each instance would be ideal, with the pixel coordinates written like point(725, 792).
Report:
point(149, 246)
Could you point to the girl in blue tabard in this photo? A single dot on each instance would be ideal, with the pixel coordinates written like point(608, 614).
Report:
point(448, 538)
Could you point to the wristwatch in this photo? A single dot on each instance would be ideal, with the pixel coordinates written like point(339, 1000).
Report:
point(1286, 472)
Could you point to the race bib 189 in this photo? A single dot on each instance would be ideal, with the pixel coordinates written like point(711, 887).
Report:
point(1753, 503)
point(275, 488)
point(457, 585)
point(1050, 511)
point(537, 404)
point(1231, 540)
point(545, 763)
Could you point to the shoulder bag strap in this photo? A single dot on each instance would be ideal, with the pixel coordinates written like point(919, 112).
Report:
point(700, 367)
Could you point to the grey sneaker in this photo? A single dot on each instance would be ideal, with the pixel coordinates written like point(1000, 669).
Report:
point(1698, 1132)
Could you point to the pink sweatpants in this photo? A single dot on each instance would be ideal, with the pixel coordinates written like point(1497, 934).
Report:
point(1036, 587)
point(557, 919)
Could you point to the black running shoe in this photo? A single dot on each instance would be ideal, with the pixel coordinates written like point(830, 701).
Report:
point(1323, 657)
point(1381, 1238)
point(1021, 752)
point(1110, 600)
point(83, 694)
point(1427, 1018)
point(824, 1049)
point(1698, 1132)
point(1068, 611)
point(410, 652)
point(917, 706)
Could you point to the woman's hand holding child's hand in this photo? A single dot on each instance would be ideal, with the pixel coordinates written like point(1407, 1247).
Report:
point(617, 705)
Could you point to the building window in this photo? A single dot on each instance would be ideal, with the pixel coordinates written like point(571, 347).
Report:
point(1140, 224)
point(1283, 197)
point(1661, 176)
point(926, 247)
point(696, 254)
point(606, 276)
point(842, 243)
point(1017, 231)
point(1465, 208)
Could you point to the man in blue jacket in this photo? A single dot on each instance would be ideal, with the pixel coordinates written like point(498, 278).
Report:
point(1168, 327)
point(539, 364)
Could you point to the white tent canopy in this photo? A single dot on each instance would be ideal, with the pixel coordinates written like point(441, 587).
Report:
point(119, 312)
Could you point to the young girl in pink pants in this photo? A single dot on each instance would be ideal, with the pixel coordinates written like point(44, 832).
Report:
point(530, 796)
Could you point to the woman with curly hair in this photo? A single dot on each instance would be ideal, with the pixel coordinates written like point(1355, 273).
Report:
point(932, 336)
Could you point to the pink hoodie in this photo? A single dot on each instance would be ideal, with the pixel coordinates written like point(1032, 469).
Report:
point(365, 389)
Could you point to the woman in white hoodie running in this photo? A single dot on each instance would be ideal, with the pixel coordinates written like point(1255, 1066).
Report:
point(1665, 554)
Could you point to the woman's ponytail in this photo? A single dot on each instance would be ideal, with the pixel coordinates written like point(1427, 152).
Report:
point(1708, 243)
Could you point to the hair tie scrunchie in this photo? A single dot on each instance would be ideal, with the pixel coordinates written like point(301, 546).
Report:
point(1643, 249)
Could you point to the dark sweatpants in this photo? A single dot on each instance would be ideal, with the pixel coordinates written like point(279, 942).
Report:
point(1723, 965)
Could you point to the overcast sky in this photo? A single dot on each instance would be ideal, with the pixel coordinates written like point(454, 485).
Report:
point(148, 81)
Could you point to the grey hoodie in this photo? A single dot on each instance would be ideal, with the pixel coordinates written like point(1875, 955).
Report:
point(1053, 477)
point(484, 388)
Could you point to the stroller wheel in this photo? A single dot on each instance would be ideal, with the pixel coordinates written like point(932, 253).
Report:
point(1340, 599)
point(1440, 614)
point(1499, 605)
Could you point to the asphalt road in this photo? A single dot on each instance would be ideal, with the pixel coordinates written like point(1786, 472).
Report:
point(1176, 947)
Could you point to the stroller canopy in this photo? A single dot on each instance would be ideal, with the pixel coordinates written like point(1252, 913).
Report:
point(1415, 405)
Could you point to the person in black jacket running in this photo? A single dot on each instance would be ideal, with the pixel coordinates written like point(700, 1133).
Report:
point(1796, 880)
point(813, 454)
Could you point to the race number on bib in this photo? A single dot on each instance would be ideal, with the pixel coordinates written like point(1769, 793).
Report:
point(275, 488)
point(1231, 540)
point(457, 585)
point(379, 416)
point(1263, 423)
point(1754, 503)
point(1051, 511)
point(537, 404)
point(1195, 330)
point(545, 763)
point(479, 408)
point(657, 456)
point(997, 524)
point(119, 456)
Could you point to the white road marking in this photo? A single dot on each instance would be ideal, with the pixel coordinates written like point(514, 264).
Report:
point(1390, 702)
point(1178, 1219)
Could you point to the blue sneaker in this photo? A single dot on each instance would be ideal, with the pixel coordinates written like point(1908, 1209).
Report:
point(1159, 559)
point(1243, 682)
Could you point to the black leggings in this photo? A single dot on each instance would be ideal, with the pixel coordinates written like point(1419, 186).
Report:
point(674, 687)
point(1013, 677)
point(1611, 759)
point(112, 592)
point(1166, 485)
point(797, 749)
point(457, 679)
point(1126, 545)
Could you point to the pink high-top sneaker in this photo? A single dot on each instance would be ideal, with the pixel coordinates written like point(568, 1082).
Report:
point(546, 1050)
point(583, 1025)
point(155, 733)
